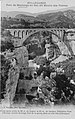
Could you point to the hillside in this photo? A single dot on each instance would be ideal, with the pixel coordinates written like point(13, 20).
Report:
point(58, 19)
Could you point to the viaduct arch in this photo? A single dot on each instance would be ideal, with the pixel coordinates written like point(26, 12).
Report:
point(25, 33)
point(38, 31)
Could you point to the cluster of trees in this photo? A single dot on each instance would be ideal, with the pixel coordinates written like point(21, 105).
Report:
point(7, 43)
point(5, 65)
point(22, 23)
point(14, 23)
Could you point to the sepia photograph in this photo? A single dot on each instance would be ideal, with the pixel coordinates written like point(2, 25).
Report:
point(37, 57)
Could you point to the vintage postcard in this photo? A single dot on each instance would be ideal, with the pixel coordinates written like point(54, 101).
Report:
point(37, 57)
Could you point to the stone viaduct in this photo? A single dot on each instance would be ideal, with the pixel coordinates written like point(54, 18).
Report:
point(25, 33)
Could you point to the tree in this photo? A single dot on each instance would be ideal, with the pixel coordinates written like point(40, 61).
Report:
point(7, 45)
point(7, 33)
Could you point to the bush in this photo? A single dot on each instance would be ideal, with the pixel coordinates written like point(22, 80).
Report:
point(7, 45)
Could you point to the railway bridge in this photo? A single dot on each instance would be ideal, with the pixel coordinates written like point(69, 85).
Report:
point(25, 33)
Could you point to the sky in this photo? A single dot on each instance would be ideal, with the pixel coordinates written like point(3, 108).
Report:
point(43, 5)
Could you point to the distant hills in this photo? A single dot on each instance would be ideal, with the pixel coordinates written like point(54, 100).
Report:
point(14, 13)
point(70, 14)
point(62, 18)
point(59, 19)
point(55, 19)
